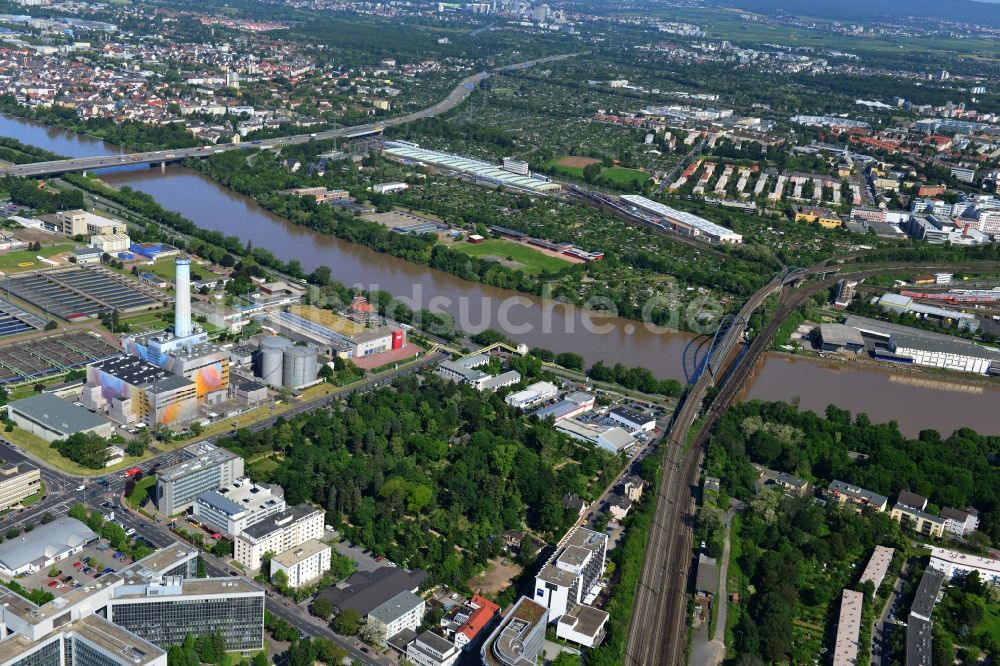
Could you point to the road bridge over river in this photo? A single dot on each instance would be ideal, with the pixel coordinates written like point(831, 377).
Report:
point(157, 157)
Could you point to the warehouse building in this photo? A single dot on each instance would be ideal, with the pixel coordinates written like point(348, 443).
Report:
point(44, 546)
point(838, 338)
point(336, 335)
point(681, 221)
point(52, 418)
point(902, 344)
point(479, 171)
point(573, 404)
point(613, 439)
point(632, 420)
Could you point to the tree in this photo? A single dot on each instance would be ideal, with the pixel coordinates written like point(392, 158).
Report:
point(47, 518)
point(566, 659)
point(373, 632)
point(347, 622)
point(280, 579)
point(322, 607)
point(79, 512)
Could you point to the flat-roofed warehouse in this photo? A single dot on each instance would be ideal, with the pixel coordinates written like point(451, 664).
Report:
point(45, 545)
point(684, 222)
point(480, 171)
point(838, 337)
point(52, 418)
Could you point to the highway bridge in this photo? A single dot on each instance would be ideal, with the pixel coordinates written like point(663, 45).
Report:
point(157, 157)
point(658, 626)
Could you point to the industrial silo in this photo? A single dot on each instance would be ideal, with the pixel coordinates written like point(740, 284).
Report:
point(271, 357)
point(300, 367)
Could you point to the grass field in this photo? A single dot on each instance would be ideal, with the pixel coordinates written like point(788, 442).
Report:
point(39, 448)
point(11, 260)
point(141, 491)
point(166, 269)
point(532, 261)
point(617, 176)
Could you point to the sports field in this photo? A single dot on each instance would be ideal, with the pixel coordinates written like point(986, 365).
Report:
point(573, 166)
point(27, 260)
point(531, 261)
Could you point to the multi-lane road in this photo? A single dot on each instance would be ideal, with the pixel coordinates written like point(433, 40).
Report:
point(458, 95)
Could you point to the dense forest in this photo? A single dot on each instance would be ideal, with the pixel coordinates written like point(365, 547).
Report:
point(430, 474)
point(956, 471)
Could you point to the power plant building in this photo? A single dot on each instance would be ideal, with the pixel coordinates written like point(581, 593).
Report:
point(281, 363)
point(130, 390)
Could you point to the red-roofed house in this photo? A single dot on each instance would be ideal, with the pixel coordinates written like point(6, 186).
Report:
point(483, 613)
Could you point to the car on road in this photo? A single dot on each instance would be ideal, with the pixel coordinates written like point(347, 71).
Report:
point(53, 583)
point(130, 531)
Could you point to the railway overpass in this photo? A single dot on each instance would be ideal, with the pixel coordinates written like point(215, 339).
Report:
point(157, 157)
point(658, 627)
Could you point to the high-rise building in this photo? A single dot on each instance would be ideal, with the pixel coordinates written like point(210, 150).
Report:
point(205, 468)
point(572, 571)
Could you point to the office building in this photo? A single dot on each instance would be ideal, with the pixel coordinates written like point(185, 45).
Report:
point(860, 498)
point(520, 167)
point(571, 573)
point(520, 638)
point(44, 546)
point(53, 418)
point(845, 650)
point(165, 609)
point(429, 649)
point(204, 468)
point(302, 564)
point(534, 394)
point(17, 482)
point(404, 611)
point(277, 533)
point(232, 508)
point(682, 221)
point(82, 223)
point(939, 230)
point(956, 565)
point(128, 618)
point(111, 243)
point(465, 371)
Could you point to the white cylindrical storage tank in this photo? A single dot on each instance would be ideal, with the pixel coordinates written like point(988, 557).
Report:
point(272, 351)
point(300, 367)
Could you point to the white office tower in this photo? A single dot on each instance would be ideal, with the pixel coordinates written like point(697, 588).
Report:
point(182, 310)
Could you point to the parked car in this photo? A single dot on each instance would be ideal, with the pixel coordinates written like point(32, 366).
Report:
point(53, 583)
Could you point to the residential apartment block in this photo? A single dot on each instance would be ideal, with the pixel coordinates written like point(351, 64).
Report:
point(278, 533)
point(404, 611)
point(860, 498)
point(520, 638)
point(303, 563)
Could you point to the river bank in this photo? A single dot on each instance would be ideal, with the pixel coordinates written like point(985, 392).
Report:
point(882, 395)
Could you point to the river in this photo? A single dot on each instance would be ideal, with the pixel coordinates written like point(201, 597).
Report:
point(881, 394)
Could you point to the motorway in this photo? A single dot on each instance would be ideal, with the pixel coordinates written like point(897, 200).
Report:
point(458, 95)
point(659, 620)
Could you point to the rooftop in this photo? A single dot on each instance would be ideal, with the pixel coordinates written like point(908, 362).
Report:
point(840, 335)
point(300, 553)
point(279, 521)
point(913, 338)
point(845, 651)
point(44, 542)
point(57, 414)
point(508, 639)
point(858, 493)
point(207, 456)
point(396, 607)
point(584, 619)
point(240, 496)
point(366, 590)
point(878, 566)
point(132, 370)
point(953, 557)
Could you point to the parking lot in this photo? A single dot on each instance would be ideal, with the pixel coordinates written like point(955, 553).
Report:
point(90, 564)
